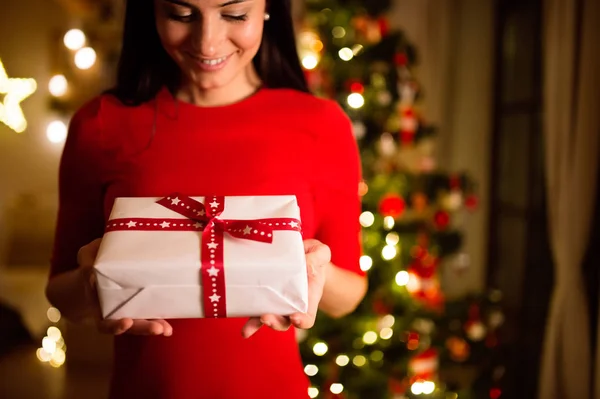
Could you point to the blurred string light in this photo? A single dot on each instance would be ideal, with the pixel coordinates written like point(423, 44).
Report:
point(53, 350)
point(366, 262)
point(338, 32)
point(56, 132)
point(309, 48)
point(85, 58)
point(58, 85)
point(320, 348)
point(336, 388)
point(15, 90)
point(342, 360)
point(402, 278)
point(366, 219)
point(355, 100)
point(74, 39)
point(346, 54)
point(422, 387)
point(313, 392)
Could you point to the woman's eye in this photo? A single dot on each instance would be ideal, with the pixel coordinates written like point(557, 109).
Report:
point(236, 18)
point(181, 17)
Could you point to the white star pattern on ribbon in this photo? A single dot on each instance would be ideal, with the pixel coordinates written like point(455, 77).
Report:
point(175, 201)
point(164, 225)
point(213, 271)
point(197, 225)
point(200, 212)
point(214, 204)
point(212, 245)
point(131, 224)
point(293, 224)
point(247, 230)
point(214, 298)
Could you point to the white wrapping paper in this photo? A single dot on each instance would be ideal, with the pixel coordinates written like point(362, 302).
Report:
point(156, 274)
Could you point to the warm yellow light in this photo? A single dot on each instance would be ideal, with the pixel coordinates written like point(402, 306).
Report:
point(370, 337)
point(320, 348)
point(428, 387)
point(366, 262)
point(56, 132)
point(53, 315)
point(356, 100)
point(402, 278)
point(310, 61)
point(42, 355)
point(366, 219)
point(313, 392)
point(392, 238)
point(338, 32)
point(388, 222)
point(376, 356)
point(15, 90)
point(49, 345)
point(85, 58)
point(359, 360)
point(417, 388)
point(336, 388)
point(342, 360)
point(54, 333)
point(389, 252)
point(346, 54)
point(386, 333)
point(74, 39)
point(388, 320)
point(357, 48)
point(58, 85)
point(58, 357)
point(311, 370)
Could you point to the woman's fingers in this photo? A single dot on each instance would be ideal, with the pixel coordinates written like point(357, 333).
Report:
point(277, 323)
point(251, 327)
point(136, 327)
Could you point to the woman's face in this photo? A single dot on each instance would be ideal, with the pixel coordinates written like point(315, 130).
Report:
point(212, 41)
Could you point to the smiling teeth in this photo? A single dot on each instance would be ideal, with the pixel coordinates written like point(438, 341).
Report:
point(214, 62)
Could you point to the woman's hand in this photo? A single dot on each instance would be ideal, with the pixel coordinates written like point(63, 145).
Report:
point(318, 257)
point(86, 258)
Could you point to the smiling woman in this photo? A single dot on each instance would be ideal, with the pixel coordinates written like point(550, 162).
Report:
point(188, 41)
point(210, 98)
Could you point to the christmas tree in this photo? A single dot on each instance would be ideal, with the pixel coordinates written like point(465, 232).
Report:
point(405, 340)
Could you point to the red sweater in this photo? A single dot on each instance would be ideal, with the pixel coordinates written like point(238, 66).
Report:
point(278, 141)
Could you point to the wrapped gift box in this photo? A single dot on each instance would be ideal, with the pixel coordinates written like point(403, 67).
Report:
point(192, 257)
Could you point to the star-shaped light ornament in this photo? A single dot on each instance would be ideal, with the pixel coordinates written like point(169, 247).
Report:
point(14, 90)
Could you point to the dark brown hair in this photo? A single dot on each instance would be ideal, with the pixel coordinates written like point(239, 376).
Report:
point(144, 66)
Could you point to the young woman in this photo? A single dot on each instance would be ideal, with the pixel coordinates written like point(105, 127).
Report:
point(210, 98)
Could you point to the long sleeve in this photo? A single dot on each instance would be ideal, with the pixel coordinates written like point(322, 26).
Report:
point(80, 214)
point(338, 174)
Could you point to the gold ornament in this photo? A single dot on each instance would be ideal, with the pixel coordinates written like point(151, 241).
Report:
point(15, 90)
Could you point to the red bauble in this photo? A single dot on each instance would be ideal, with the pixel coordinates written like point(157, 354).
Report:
point(454, 182)
point(357, 87)
point(471, 202)
point(442, 219)
point(380, 307)
point(407, 137)
point(424, 366)
point(400, 59)
point(392, 205)
point(495, 393)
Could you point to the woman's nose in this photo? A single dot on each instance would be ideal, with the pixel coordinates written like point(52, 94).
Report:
point(207, 36)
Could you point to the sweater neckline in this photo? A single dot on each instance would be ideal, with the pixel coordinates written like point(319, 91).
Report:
point(167, 101)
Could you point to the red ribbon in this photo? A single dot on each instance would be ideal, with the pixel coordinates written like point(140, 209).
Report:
point(205, 218)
